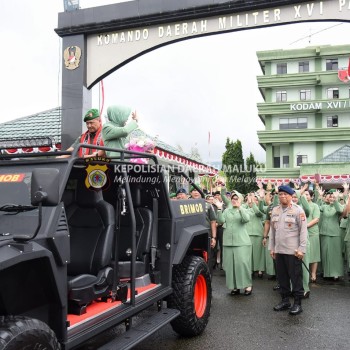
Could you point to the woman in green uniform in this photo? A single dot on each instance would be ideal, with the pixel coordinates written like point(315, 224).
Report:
point(237, 247)
point(255, 231)
point(330, 236)
point(314, 234)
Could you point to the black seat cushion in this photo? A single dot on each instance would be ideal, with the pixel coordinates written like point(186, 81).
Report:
point(91, 225)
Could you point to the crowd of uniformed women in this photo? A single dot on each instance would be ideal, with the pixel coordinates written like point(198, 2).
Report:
point(246, 222)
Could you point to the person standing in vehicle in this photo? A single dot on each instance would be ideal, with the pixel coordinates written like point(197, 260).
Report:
point(237, 245)
point(287, 245)
point(92, 136)
point(121, 122)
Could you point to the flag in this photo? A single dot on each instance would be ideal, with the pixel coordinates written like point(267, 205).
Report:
point(344, 74)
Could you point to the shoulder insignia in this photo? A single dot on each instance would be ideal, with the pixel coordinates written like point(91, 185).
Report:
point(302, 216)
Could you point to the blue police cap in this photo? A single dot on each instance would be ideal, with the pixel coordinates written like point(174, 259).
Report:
point(286, 189)
point(181, 190)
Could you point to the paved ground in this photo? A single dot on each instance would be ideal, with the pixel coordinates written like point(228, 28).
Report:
point(240, 322)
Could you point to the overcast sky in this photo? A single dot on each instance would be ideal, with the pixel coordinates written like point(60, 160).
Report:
point(182, 91)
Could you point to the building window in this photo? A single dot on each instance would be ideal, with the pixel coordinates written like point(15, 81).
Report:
point(293, 123)
point(301, 160)
point(305, 95)
point(332, 93)
point(304, 67)
point(281, 96)
point(332, 64)
point(285, 161)
point(276, 162)
point(281, 68)
point(332, 122)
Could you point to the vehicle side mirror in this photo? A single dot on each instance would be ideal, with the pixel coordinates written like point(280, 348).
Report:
point(45, 186)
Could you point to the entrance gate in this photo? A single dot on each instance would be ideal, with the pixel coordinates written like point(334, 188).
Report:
point(97, 41)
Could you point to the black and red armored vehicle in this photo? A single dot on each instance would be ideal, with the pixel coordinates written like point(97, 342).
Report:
point(88, 244)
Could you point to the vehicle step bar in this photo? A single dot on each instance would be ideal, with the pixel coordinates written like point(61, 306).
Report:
point(137, 334)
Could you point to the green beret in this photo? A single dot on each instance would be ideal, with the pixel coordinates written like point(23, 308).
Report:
point(91, 114)
point(172, 195)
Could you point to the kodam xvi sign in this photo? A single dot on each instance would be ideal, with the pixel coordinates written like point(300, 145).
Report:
point(320, 105)
point(119, 46)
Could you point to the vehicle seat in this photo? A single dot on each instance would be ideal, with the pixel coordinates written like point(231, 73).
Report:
point(144, 224)
point(91, 223)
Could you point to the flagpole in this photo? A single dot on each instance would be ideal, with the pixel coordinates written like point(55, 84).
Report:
point(209, 146)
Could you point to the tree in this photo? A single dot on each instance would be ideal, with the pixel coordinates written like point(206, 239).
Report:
point(250, 184)
point(233, 165)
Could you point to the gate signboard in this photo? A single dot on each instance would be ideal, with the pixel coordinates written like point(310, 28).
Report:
point(99, 40)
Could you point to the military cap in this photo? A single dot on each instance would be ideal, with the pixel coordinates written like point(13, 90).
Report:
point(193, 189)
point(91, 114)
point(181, 190)
point(286, 189)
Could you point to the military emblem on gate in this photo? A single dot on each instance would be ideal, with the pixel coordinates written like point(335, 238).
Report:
point(72, 55)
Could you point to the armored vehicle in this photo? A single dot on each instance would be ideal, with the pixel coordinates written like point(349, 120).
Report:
point(87, 244)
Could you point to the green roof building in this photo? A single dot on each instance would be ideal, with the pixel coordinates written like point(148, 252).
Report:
point(306, 112)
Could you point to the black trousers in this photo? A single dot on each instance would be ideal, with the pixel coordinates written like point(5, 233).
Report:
point(219, 234)
point(289, 275)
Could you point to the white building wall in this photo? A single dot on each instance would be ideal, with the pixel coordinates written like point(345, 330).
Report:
point(275, 122)
point(294, 94)
point(284, 151)
point(293, 66)
point(304, 149)
point(343, 119)
point(344, 91)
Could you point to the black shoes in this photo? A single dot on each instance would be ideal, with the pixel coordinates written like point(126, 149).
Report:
point(306, 295)
point(235, 292)
point(248, 292)
point(283, 305)
point(276, 287)
point(295, 309)
point(260, 275)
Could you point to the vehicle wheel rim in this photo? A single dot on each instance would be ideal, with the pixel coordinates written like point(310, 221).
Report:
point(200, 296)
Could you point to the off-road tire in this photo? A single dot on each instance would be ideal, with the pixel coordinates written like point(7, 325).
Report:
point(24, 333)
point(192, 296)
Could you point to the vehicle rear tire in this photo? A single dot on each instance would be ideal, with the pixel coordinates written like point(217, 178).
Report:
point(24, 333)
point(191, 296)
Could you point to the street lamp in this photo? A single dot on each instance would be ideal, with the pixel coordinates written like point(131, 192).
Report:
point(70, 5)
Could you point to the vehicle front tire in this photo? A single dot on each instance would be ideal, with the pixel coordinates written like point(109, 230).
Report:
point(192, 296)
point(24, 333)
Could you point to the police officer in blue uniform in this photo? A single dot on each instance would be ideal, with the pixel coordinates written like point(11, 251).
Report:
point(287, 245)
